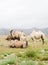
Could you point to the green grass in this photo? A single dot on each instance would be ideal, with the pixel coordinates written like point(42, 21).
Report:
point(33, 54)
point(10, 59)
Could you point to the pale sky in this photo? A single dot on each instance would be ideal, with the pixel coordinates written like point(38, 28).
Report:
point(23, 13)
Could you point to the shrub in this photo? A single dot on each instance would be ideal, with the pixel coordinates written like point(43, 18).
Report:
point(10, 59)
point(21, 54)
point(41, 63)
point(32, 54)
point(28, 63)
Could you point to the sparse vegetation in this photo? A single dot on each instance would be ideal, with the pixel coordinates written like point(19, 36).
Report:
point(34, 54)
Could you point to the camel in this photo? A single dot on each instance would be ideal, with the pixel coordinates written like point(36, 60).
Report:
point(17, 39)
point(37, 35)
point(18, 44)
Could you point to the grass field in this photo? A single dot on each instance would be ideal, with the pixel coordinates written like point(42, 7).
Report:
point(34, 54)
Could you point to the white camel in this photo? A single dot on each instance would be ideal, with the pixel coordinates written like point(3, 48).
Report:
point(37, 35)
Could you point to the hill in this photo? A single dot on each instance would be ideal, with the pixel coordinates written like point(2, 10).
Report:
point(27, 31)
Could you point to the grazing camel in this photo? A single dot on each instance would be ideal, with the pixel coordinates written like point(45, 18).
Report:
point(37, 35)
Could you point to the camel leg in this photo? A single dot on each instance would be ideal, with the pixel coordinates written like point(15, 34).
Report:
point(32, 39)
point(26, 43)
point(42, 39)
point(21, 46)
point(12, 46)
